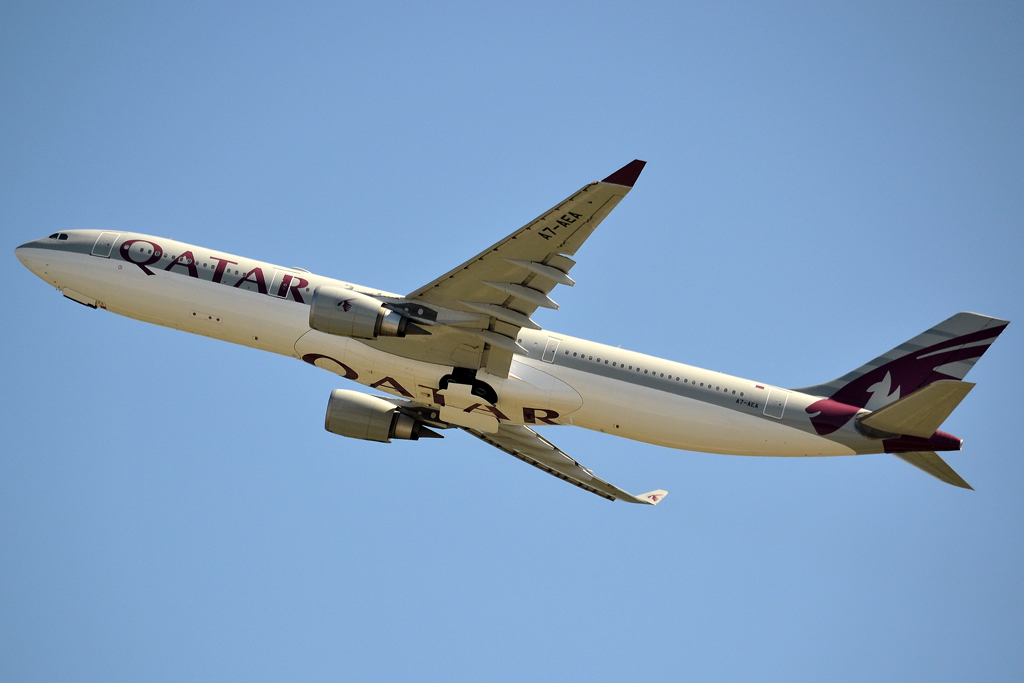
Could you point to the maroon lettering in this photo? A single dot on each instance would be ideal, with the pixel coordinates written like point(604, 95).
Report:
point(186, 260)
point(222, 264)
point(486, 409)
point(531, 417)
point(436, 394)
point(148, 259)
point(312, 358)
point(393, 383)
point(286, 285)
point(257, 278)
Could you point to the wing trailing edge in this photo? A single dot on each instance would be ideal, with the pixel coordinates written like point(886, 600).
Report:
point(524, 443)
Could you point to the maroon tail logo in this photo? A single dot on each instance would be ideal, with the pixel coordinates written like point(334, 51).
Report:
point(897, 378)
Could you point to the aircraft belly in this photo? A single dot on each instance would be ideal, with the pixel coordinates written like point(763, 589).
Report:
point(351, 359)
point(530, 386)
point(528, 396)
point(656, 417)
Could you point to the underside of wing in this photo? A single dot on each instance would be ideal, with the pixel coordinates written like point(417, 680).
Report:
point(475, 311)
point(529, 446)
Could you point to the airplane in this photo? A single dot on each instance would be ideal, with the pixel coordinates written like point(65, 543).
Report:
point(463, 352)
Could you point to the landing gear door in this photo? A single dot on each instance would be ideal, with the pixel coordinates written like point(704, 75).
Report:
point(550, 350)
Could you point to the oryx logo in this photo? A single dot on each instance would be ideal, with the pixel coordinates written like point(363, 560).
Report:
point(882, 385)
point(346, 305)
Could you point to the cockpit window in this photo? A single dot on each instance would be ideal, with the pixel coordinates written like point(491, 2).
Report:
point(62, 236)
point(53, 236)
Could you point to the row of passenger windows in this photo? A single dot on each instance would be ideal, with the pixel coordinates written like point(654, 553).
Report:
point(677, 378)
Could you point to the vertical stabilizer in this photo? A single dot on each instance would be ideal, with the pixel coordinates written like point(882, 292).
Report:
point(945, 352)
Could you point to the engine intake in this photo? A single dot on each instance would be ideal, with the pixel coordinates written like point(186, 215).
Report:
point(346, 313)
point(358, 416)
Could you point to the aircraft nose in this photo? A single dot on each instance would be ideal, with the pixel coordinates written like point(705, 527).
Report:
point(22, 252)
point(28, 255)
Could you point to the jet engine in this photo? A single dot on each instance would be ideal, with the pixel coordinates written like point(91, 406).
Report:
point(347, 313)
point(359, 416)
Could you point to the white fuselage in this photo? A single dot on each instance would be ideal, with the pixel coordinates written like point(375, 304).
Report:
point(581, 383)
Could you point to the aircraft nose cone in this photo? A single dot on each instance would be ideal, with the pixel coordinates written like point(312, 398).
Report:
point(22, 252)
point(28, 255)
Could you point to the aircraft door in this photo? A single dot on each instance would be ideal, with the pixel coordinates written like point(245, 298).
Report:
point(775, 405)
point(283, 283)
point(550, 350)
point(104, 243)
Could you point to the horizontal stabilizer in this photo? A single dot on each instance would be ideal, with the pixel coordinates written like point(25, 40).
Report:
point(920, 413)
point(931, 463)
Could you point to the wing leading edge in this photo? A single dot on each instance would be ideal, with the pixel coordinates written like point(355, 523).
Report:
point(529, 446)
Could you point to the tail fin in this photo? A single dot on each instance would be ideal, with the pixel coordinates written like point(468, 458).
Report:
point(945, 352)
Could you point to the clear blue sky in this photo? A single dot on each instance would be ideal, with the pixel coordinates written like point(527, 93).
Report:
point(823, 184)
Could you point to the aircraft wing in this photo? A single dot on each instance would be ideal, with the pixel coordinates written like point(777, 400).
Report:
point(529, 446)
point(474, 312)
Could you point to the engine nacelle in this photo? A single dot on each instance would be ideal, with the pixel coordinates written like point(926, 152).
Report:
point(359, 416)
point(348, 313)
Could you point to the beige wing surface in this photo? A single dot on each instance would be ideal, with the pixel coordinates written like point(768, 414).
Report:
point(529, 446)
point(475, 311)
